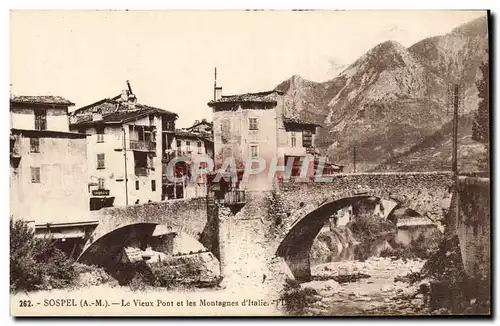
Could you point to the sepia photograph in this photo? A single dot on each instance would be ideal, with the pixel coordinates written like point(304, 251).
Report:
point(270, 163)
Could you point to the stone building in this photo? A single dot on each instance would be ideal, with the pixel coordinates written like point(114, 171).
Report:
point(128, 145)
point(194, 144)
point(202, 126)
point(48, 167)
point(255, 125)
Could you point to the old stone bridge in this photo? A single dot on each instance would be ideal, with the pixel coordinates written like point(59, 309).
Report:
point(311, 205)
point(120, 227)
point(282, 222)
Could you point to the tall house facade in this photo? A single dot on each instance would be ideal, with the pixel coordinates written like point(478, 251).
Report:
point(194, 144)
point(254, 125)
point(127, 145)
point(48, 164)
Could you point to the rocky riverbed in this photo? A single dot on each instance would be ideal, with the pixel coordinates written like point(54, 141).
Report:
point(378, 294)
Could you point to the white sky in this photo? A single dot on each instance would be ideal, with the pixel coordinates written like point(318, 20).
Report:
point(169, 57)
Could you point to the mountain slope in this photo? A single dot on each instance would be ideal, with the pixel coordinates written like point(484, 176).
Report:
point(391, 98)
point(435, 151)
point(456, 56)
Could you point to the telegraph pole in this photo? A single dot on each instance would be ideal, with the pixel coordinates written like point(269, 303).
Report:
point(454, 160)
point(125, 161)
point(454, 100)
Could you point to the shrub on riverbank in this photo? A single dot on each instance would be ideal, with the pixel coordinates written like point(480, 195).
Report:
point(36, 264)
point(370, 228)
point(295, 298)
point(417, 248)
point(162, 274)
point(449, 287)
point(89, 275)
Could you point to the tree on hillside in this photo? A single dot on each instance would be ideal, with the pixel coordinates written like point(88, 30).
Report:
point(481, 127)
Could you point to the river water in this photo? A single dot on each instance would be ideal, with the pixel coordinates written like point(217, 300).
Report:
point(376, 293)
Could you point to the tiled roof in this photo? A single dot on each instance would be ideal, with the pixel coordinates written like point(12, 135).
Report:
point(295, 121)
point(113, 111)
point(42, 99)
point(108, 105)
point(188, 134)
point(261, 97)
point(201, 123)
point(117, 117)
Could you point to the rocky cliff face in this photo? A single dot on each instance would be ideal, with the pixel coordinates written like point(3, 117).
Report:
point(391, 98)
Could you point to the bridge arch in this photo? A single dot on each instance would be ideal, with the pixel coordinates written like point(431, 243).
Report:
point(104, 250)
point(106, 247)
point(299, 237)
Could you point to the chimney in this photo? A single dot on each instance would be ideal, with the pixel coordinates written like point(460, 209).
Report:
point(129, 88)
point(217, 89)
point(218, 92)
point(203, 120)
point(196, 122)
point(124, 96)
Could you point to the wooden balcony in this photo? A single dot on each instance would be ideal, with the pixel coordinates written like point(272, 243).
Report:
point(142, 145)
point(142, 172)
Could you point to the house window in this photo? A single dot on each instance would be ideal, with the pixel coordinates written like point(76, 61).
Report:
point(40, 119)
point(153, 185)
point(199, 148)
point(179, 144)
point(100, 161)
point(137, 185)
point(101, 183)
point(35, 145)
point(254, 151)
point(306, 138)
point(100, 134)
point(35, 174)
point(294, 139)
point(188, 146)
point(253, 124)
point(141, 164)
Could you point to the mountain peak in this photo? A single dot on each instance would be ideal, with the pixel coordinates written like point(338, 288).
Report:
point(389, 46)
point(476, 27)
point(296, 77)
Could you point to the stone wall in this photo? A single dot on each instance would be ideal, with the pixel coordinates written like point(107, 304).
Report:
point(186, 215)
point(473, 225)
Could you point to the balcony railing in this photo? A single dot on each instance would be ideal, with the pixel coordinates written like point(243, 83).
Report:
point(168, 126)
point(141, 171)
point(235, 197)
point(142, 145)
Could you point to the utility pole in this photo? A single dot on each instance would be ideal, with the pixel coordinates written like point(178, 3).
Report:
point(454, 160)
point(454, 99)
point(125, 160)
